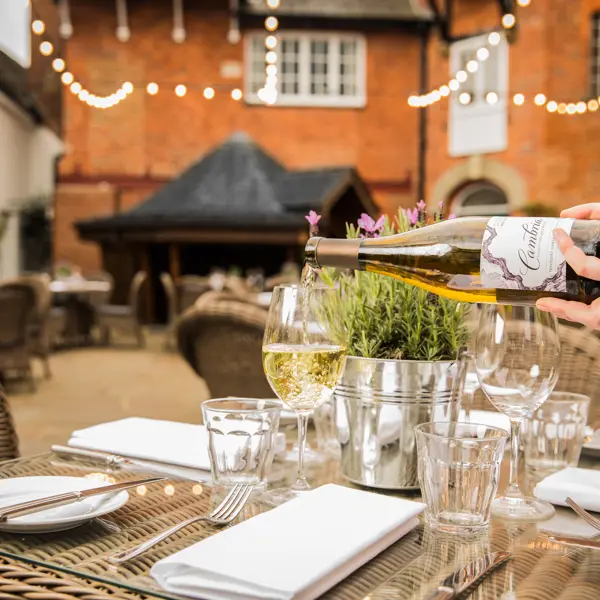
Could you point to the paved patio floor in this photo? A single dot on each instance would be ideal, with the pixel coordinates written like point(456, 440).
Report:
point(92, 385)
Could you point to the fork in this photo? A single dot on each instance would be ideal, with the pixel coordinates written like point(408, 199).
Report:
point(224, 514)
point(584, 514)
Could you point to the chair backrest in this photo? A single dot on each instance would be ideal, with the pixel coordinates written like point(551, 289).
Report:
point(9, 442)
point(101, 298)
point(40, 283)
point(171, 294)
point(134, 292)
point(191, 287)
point(222, 341)
point(17, 310)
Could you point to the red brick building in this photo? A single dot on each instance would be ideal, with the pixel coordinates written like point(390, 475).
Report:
point(346, 71)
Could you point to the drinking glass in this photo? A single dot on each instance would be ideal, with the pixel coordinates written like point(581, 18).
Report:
point(459, 466)
point(304, 353)
point(554, 433)
point(242, 435)
point(517, 361)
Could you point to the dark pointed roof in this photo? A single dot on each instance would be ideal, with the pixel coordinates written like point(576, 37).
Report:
point(236, 185)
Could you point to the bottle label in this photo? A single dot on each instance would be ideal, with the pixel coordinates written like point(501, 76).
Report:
point(520, 253)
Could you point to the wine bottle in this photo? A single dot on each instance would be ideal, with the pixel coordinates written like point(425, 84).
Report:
point(505, 260)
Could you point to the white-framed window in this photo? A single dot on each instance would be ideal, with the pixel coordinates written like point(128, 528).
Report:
point(313, 69)
point(595, 57)
point(478, 124)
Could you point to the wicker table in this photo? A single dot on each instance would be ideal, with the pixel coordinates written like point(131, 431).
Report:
point(72, 564)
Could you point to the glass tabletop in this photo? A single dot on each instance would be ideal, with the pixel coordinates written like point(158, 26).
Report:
point(410, 569)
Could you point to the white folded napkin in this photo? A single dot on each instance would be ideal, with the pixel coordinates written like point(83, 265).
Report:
point(181, 444)
point(491, 418)
point(582, 485)
point(296, 551)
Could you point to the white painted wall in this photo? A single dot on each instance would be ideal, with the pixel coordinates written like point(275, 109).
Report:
point(27, 158)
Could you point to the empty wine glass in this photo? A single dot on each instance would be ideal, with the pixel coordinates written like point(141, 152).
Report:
point(517, 361)
point(304, 353)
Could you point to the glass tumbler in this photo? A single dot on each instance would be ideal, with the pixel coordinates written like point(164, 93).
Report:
point(459, 468)
point(555, 432)
point(241, 439)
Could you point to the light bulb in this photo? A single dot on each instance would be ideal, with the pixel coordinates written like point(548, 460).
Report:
point(581, 107)
point(518, 99)
point(209, 93)
point(508, 21)
point(46, 48)
point(127, 87)
point(593, 105)
point(414, 101)
point(271, 70)
point(540, 99)
point(562, 108)
point(236, 94)
point(483, 54)
point(38, 27)
point(453, 84)
point(491, 98)
point(464, 98)
point(444, 90)
point(67, 78)
point(270, 42)
point(551, 106)
point(76, 87)
point(180, 90)
point(58, 64)
point(271, 23)
point(472, 66)
point(271, 57)
point(121, 94)
point(267, 95)
point(152, 88)
point(571, 108)
point(494, 38)
point(273, 3)
point(461, 76)
point(83, 95)
point(523, 3)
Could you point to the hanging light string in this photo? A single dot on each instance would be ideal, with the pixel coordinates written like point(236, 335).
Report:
point(472, 66)
point(268, 93)
point(46, 48)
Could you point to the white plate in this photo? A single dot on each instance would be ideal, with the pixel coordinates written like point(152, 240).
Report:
point(22, 489)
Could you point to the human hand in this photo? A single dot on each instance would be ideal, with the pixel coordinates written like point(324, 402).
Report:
point(583, 265)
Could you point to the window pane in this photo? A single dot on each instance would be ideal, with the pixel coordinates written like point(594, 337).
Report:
point(491, 71)
point(258, 65)
point(348, 67)
point(289, 63)
point(469, 85)
point(319, 52)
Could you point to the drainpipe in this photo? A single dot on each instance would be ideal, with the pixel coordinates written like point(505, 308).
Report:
point(423, 89)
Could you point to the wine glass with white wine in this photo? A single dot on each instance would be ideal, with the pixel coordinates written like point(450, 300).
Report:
point(517, 361)
point(304, 352)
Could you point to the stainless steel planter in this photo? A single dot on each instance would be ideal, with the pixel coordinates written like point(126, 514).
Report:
point(378, 403)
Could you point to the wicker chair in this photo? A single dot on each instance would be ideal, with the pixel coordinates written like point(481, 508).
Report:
point(171, 294)
point(17, 312)
point(123, 318)
point(221, 339)
point(190, 288)
point(9, 442)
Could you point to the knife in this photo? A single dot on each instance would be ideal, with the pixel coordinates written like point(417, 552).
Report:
point(31, 506)
point(575, 541)
point(456, 583)
point(109, 459)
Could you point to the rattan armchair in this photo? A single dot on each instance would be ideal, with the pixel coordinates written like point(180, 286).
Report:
point(123, 318)
point(190, 288)
point(171, 296)
point(17, 310)
point(221, 339)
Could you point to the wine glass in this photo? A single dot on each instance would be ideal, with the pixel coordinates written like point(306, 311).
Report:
point(517, 361)
point(304, 352)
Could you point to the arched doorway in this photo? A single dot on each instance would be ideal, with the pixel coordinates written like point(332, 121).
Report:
point(479, 199)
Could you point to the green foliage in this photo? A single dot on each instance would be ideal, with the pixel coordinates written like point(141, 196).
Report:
point(386, 318)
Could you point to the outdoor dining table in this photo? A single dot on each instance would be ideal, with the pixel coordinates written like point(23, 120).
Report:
point(78, 286)
point(409, 569)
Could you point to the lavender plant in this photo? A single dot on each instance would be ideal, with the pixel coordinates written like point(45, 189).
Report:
point(387, 318)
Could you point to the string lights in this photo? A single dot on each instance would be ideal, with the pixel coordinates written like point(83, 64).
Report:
point(59, 65)
point(268, 93)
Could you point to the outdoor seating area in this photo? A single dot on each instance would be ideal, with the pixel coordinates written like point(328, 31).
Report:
point(299, 300)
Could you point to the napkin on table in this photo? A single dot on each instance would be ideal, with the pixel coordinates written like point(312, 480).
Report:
point(294, 552)
point(181, 444)
point(582, 485)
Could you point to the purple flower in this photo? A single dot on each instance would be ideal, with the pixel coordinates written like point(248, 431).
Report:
point(452, 216)
point(421, 205)
point(370, 225)
point(413, 216)
point(313, 218)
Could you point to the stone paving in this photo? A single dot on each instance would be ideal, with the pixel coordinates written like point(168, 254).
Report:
point(92, 385)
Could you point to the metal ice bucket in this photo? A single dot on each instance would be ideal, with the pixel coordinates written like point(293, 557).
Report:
point(378, 404)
